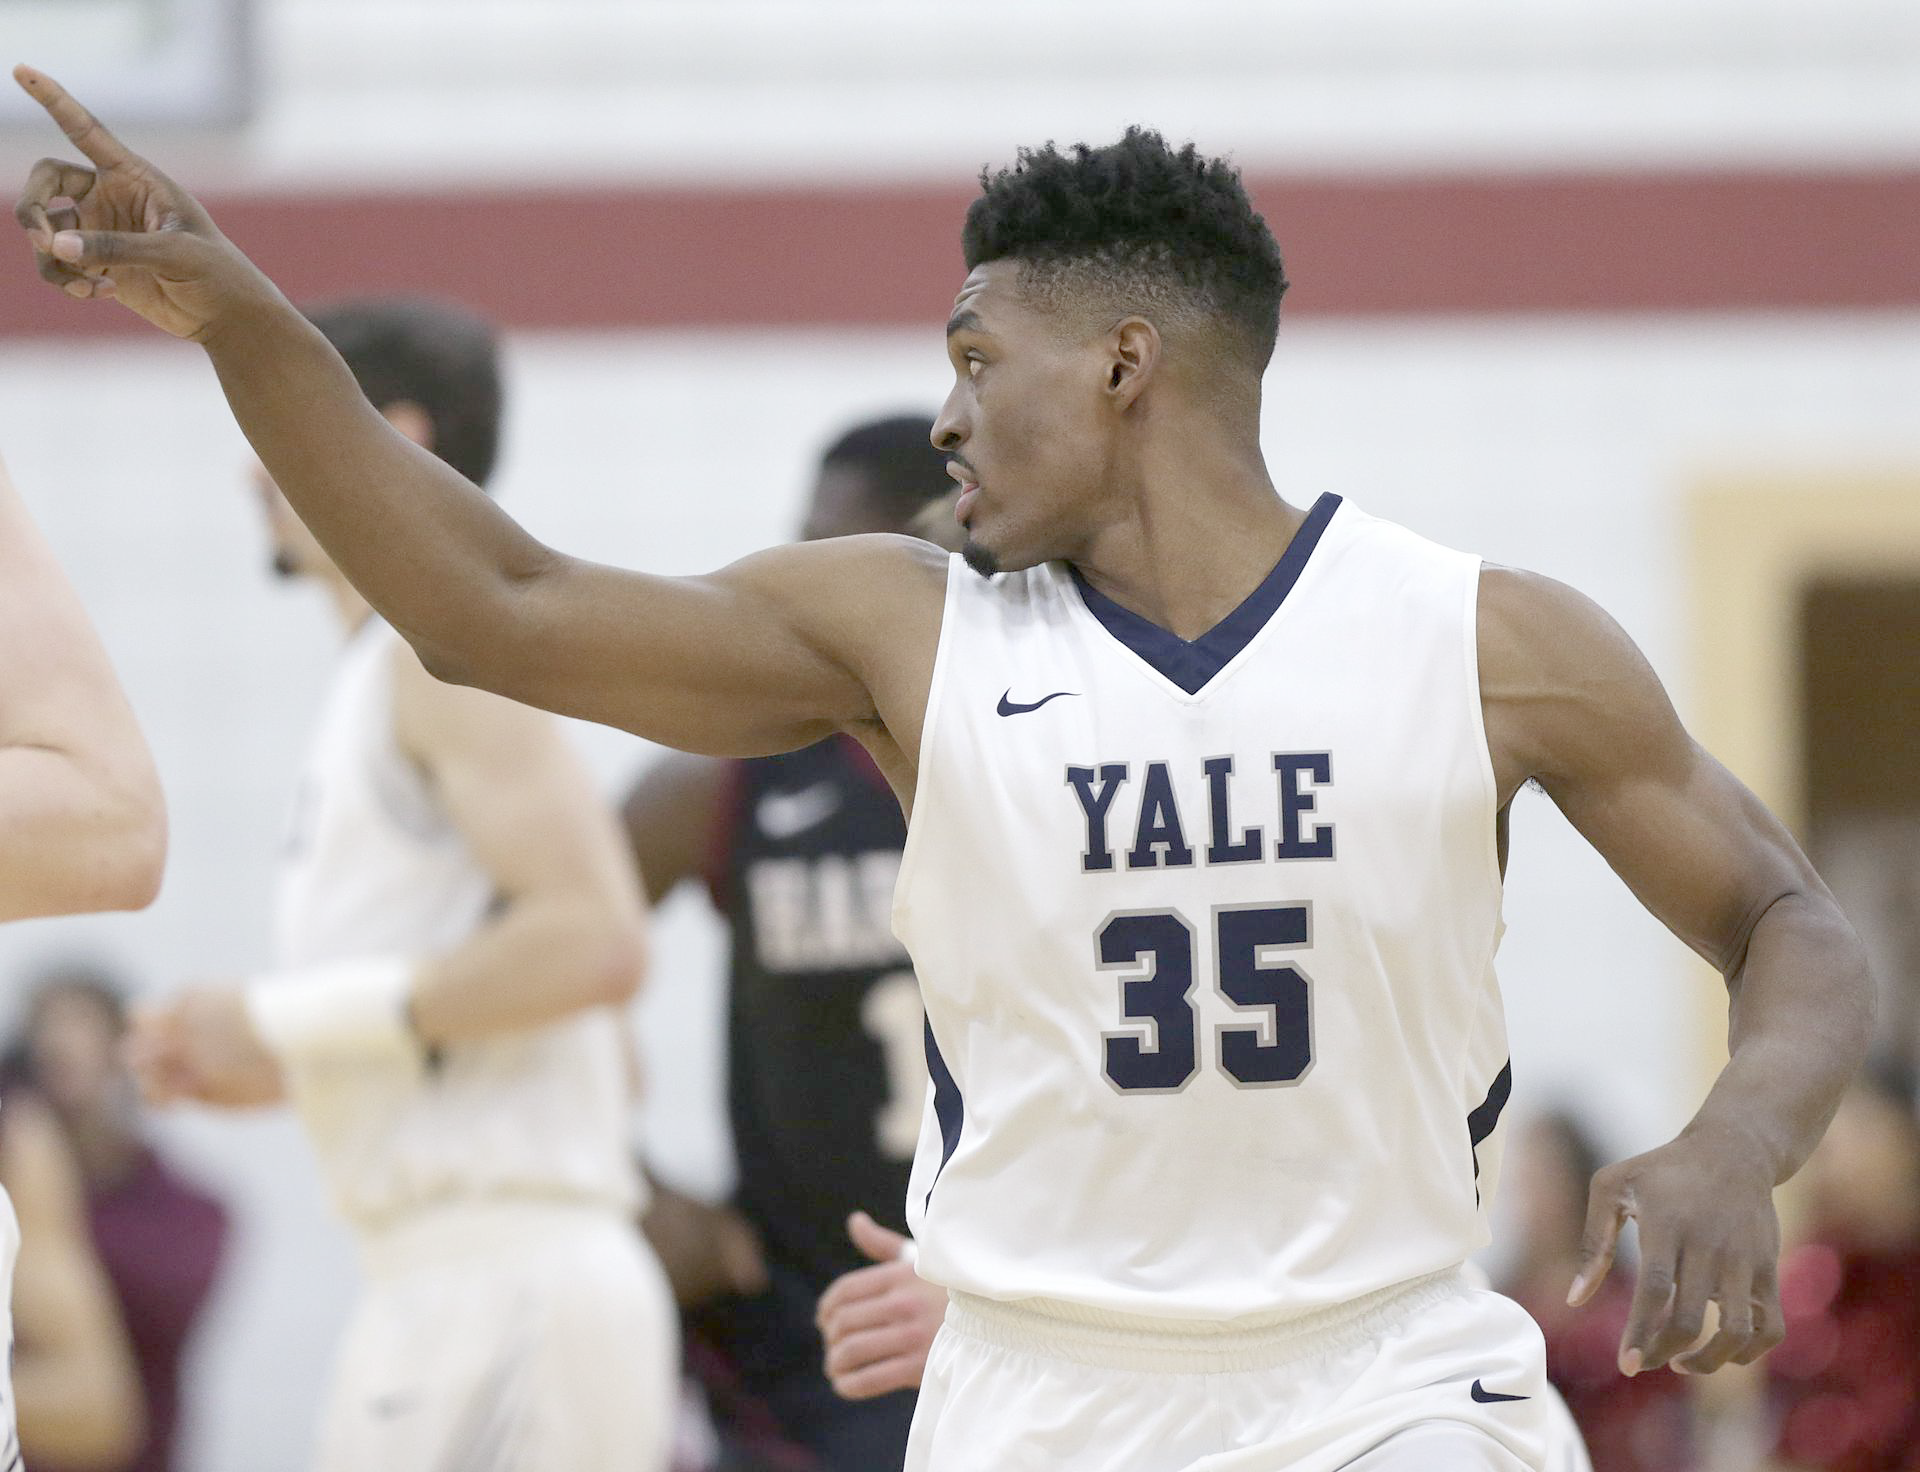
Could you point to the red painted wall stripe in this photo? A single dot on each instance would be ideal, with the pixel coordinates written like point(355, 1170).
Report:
point(638, 258)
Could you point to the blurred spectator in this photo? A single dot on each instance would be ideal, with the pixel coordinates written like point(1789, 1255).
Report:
point(1642, 1424)
point(1844, 1388)
point(159, 1239)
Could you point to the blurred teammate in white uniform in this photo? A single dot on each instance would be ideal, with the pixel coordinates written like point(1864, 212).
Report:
point(82, 823)
point(1208, 798)
point(458, 927)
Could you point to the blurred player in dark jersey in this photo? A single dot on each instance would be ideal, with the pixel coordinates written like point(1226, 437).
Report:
point(825, 1055)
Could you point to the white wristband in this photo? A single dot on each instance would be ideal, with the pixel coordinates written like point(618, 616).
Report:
point(343, 1011)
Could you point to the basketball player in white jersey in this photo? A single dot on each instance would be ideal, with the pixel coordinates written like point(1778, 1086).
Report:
point(82, 827)
point(1202, 882)
point(458, 927)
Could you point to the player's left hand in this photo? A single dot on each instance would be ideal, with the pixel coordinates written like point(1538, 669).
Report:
point(1708, 1234)
point(879, 1322)
point(201, 1045)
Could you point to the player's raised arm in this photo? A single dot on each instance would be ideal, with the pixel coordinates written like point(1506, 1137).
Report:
point(746, 660)
point(1570, 702)
point(82, 824)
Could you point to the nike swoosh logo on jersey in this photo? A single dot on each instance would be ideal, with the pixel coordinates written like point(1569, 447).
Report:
point(1488, 1397)
point(1013, 708)
point(785, 814)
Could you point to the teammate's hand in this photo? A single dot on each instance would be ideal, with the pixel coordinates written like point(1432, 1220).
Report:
point(1708, 1234)
point(879, 1322)
point(122, 229)
point(202, 1046)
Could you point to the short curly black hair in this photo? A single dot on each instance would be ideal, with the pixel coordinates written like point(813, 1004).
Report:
point(1137, 220)
point(436, 354)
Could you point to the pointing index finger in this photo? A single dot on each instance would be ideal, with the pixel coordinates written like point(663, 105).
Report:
point(86, 132)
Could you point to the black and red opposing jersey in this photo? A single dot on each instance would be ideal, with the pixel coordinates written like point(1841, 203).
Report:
point(826, 1067)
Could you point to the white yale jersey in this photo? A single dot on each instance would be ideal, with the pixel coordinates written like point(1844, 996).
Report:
point(1206, 936)
point(374, 868)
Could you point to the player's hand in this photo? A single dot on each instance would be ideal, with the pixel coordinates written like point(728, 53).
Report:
point(1708, 1234)
point(202, 1046)
point(879, 1322)
point(117, 227)
point(707, 1251)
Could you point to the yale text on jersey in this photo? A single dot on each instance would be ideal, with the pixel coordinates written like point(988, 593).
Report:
point(1159, 835)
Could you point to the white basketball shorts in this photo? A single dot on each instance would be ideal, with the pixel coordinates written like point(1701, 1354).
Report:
point(506, 1337)
point(1434, 1376)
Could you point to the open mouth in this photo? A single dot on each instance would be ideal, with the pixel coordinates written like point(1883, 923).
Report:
point(969, 491)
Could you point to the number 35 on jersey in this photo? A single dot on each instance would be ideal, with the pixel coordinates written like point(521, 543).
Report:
point(1161, 955)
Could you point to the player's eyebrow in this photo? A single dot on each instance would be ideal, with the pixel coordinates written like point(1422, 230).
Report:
point(967, 320)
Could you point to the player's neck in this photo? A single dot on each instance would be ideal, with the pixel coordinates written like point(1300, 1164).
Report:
point(1195, 535)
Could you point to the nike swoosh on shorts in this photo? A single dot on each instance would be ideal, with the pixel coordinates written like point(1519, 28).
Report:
point(1488, 1397)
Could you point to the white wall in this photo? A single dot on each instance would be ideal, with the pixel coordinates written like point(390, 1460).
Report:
point(1566, 446)
point(548, 90)
point(769, 88)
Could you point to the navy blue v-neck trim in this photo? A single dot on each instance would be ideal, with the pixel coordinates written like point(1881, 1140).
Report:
point(1191, 663)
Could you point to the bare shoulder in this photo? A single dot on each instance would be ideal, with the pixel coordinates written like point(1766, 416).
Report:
point(842, 584)
point(1533, 626)
point(1563, 686)
point(872, 604)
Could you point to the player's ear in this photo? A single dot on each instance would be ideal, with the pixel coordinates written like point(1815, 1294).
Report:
point(1133, 352)
point(411, 420)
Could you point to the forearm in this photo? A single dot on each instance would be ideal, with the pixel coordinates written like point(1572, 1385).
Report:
point(75, 1385)
point(541, 960)
point(74, 840)
point(426, 548)
point(80, 1407)
point(1801, 1014)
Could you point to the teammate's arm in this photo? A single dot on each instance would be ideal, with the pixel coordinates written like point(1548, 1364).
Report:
point(569, 931)
point(672, 815)
point(748, 660)
point(82, 825)
point(74, 1381)
point(1571, 703)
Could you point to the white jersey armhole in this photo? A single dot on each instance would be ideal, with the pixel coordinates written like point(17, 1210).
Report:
point(924, 765)
point(1477, 723)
